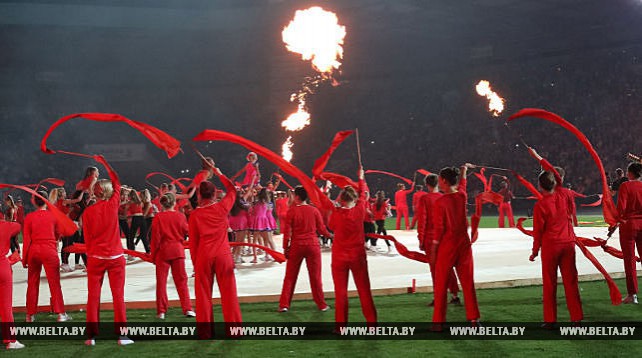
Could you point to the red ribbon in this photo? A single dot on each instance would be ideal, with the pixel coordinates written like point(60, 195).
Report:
point(161, 139)
point(423, 172)
point(314, 193)
point(402, 249)
point(320, 164)
point(66, 227)
point(597, 203)
point(282, 180)
point(339, 180)
point(608, 207)
point(408, 181)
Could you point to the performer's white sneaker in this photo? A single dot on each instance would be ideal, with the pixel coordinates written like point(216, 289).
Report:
point(63, 317)
point(124, 340)
point(630, 299)
point(283, 309)
point(15, 345)
point(30, 318)
point(160, 316)
point(90, 342)
point(66, 268)
point(190, 314)
point(325, 309)
point(79, 266)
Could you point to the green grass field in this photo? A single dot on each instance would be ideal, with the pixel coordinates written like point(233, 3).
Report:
point(490, 221)
point(521, 304)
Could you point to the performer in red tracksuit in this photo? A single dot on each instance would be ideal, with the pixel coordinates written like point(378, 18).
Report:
point(505, 208)
point(301, 241)
point(169, 229)
point(7, 231)
point(348, 253)
point(210, 250)
point(415, 201)
point(425, 232)
point(452, 246)
point(401, 203)
point(282, 207)
point(629, 207)
point(553, 232)
point(104, 253)
point(41, 249)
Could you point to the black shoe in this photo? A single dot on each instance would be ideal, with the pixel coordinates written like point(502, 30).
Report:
point(431, 304)
point(455, 301)
point(475, 323)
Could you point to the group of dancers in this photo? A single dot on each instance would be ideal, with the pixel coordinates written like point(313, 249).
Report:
point(205, 219)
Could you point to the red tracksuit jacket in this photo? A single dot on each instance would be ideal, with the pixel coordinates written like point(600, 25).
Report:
point(168, 234)
point(301, 226)
point(100, 224)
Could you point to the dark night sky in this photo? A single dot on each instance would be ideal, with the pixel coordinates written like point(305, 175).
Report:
point(407, 79)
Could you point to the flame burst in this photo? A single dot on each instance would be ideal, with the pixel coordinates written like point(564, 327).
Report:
point(286, 149)
point(297, 120)
point(316, 35)
point(495, 102)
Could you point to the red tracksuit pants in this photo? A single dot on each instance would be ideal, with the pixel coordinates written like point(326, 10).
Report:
point(359, 268)
point(505, 209)
point(461, 258)
point(312, 256)
point(180, 280)
point(402, 211)
point(46, 257)
point(6, 300)
point(207, 266)
point(96, 269)
point(562, 256)
point(630, 237)
point(452, 280)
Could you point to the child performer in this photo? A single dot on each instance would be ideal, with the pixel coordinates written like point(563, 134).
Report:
point(381, 211)
point(401, 203)
point(553, 232)
point(104, 253)
point(251, 170)
point(425, 232)
point(348, 253)
point(301, 241)
point(629, 207)
point(211, 253)
point(505, 208)
point(169, 229)
point(451, 246)
point(7, 230)
point(40, 242)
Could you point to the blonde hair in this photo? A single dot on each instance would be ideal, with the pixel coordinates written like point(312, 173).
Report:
point(106, 189)
point(168, 200)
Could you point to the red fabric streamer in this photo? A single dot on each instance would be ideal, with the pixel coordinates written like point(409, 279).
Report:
point(408, 181)
point(314, 193)
point(608, 207)
point(528, 185)
point(597, 203)
point(520, 227)
point(162, 140)
point(614, 291)
point(402, 249)
point(141, 255)
point(423, 172)
point(54, 181)
point(66, 227)
point(481, 176)
point(319, 164)
point(278, 257)
point(283, 181)
point(339, 180)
